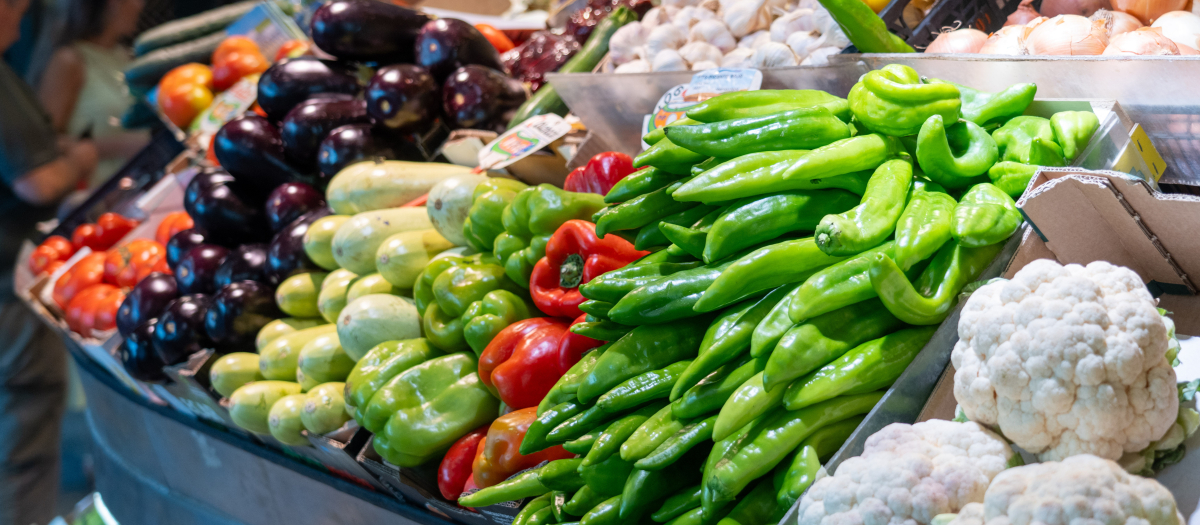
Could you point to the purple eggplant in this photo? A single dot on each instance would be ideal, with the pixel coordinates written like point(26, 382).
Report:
point(250, 148)
point(138, 355)
point(307, 124)
point(198, 268)
point(237, 313)
point(146, 301)
point(404, 98)
point(480, 98)
point(543, 53)
point(367, 30)
point(286, 256)
point(180, 243)
point(447, 44)
point(180, 329)
point(221, 205)
point(247, 262)
point(352, 143)
point(294, 80)
point(289, 201)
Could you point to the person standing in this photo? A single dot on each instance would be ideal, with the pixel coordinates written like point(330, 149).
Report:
point(36, 170)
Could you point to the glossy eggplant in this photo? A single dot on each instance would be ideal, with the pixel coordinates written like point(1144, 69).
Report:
point(180, 329)
point(307, 124)
point(197, 269)
point(289, 201)
point(232, 211)
point(446, 44)
point(237, 313)
point(138, 355)
point(146, 301)
point(349, 144)
point(477, 97)
point(180, 243)
point(285, 255)
point(404, 98)
point(247, 262)
point(250, 148)
point(367, 30)
point(294, 80)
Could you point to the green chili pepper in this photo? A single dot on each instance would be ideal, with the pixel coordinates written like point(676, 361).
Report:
point(653, 235)
point(566, 386)
point(531, 508)
point(614, 285)
point(728, 337)
point(583, 500)
point(776, 323)
point(955, 155)
point(646, 348)
point(655, 384)
point(1011, 177)
point(640, 211)
point(711, 163)
point(985, 215)
point(606, 513)
point(803, 128)
point(749, 401)
point(641, 182)
point(772, 437)
point(646, 488)
point(611, 439)
point(583, 444)
point(690, 240)
point(607, 478)
point(814, 343)
point(840, 285)
point(873, 220)
point(676, 505)
point(794, 476)
point(668, 156)
point(745, 104)
point(696, 517)
point(763, 269)
point(579, 424)
point(989, 109)
point(757, 506)
point(708, 503)
point(676, 446)
point(561, 475)
point(596, 308)
point(757, 219)
point(536, 437)
point(523, 485)
point(658, 134)
point(713, 391)
point(924, 226)
point(868, 367)
point(668, 299)
point(1029, 140)
point(864, 28)
point(1073, 130)
point(647, 437)
point(893, 100)
point(558, 500)
point(935, 291)
point(601, 330)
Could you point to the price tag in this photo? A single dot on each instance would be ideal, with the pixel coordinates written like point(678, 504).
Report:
point(704, 85)
point(522, 141)
point(227, 106)
point(1140, 158)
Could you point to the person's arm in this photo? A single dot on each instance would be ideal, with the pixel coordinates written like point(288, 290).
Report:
point(53, 180)
point(60, 86)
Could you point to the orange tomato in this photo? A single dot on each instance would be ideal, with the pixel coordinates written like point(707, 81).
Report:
point(232, 45)
point(131, 262)
point(94, 309)
point(292, 49)
point(86, 272)
point(499, 40)
point(237, 66)
point(172, 224)
point(183, 103)
point(194, 73)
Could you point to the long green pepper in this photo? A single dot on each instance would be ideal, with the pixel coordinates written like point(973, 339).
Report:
point(646, 348)
point(640, 211)
point(868, 367)
point(924, 226)
point(655, 384)
point(955, 155)
point(758, 219)
point(746, 104)
point(985, 215)
point(928, 301)
point(675, 447)
point(647, 437)
point(874, 219)
point(609, 442)
point(713, 391)
point(803, 128)
point(818, 341)
point(676, 505)
point(840, 285)
point(669, 157)
point(768, 267)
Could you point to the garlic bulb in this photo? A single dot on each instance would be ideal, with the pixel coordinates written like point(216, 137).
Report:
point(967, 40)
point(668, 60)
point(624, 44)
point(1143, 41)
point(1009, 40)
point(1068, 35)
point(633, 66)
point(773, 54)
point(738, 58)
point(665, 36)
point(1181, 27)
point(755, 39)
point(714, 32)
point(704, 64)
point(820, 56)
point(694, 52)
point(690, 15)
point(800, 42)
point(784, 26)
point(679, 3)
point(747, 16)
point(657, 16)
point(711, 5)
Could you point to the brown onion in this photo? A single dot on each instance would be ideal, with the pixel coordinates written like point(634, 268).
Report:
point(1180, 26)
point(1117, 22)
point(1146, 41)
point(1148, 10)
point(1024, 13)
point(967, 40)
point(1009, 40)
point(1054, 8)
point(1068, 35)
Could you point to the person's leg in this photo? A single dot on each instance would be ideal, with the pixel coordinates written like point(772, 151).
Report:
point(32, 398)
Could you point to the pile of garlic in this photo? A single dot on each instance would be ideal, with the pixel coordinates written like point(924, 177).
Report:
point(682, 35)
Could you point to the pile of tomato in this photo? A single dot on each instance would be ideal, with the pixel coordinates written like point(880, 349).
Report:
point(187, 90)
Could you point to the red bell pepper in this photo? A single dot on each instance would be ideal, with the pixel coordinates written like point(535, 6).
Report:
point(457, 464)
point(501, 457)
point(523, 361)
point(600, 173)
point(574, 256)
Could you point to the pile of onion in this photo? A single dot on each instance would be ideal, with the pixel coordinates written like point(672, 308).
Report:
point(1148, 10)
point(1181, 27)
point(1144, 41)
point(1054, 8)
point(1067, 35)
point(1117, 22)
point(967, 40)
point(1009, 40)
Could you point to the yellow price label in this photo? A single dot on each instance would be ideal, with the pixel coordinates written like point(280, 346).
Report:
point(1140, 158)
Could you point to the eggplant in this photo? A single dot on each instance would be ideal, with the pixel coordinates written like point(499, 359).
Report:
point(247, 262)
point(404, 98)
point(446, 44)
point(138, 355)
point(250, 148)
point(145, 301)
point(180, 329)
point(543, 53)
point(197, 269)
point(180, 243)
point(307, 124)
point(289, 201)
point(294, 80)
point(237, 313)
point(286, 256)
point(367, 30)
point(349, 144)
point(477, 97)
point(218, 203)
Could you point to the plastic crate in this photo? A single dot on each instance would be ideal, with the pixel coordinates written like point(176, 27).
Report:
point(984, 15)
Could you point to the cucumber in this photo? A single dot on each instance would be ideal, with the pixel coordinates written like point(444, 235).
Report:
point(332, 298)
point(190, 28)
point(324, 409)
point(297, 295)
point(358, 239)
point(284, 420)
point(280, 358)
point(374, 284)
point(231, 371)
point(318, 240)
point(250, 406)
point(381, 184)
point(144, 73)
point(323, 360)
point(281, 327)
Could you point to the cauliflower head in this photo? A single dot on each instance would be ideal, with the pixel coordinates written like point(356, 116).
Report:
point(1080, 489)
point(907, 474)
point(1066, 360)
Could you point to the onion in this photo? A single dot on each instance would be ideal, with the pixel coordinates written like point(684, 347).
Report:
point(1024, 13)
point(1181, 27)
point(1117, 22)
point(1149, 10)
point(1068, 35)
point(1009, 40)
point(1141, 42)
point(1054, 8)
point(967, 40)
point(1187, 50)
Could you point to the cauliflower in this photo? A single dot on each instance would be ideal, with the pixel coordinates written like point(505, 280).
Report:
point(907, 474)
point(1066, 360)
point(1080, 489)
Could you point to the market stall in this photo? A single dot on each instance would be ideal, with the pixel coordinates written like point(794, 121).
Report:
point(411, 270)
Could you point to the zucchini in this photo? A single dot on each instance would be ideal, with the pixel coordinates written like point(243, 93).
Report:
point(546, 100)
point(145, 72)
point(190, 28)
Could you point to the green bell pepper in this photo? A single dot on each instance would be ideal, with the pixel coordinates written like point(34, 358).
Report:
point(423, 286)
point(477, 295)
point(1073, 130)
point(746, 104)
point(794, 477)
point(868, 367)
point(1011, 177)
point(894, 101)
point(655, 384)
point(992, 109)
point(646, 348)
point(715, 390)
point(768, 267)
point(379, 366)
point(985, 215)
point(955, 155)
point(488, 316)
point(669, 452)
point(1029, 140)
point(929, 300)
point(639, 183)
point(669, 157)
point(924, 226)
point(874, 219)
point(758, 219)
point(483, 221)
point(529, 221)
point(802, 128)
point(728, 337)
point(817, 341)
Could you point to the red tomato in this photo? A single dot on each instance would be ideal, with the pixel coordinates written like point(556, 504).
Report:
point(237, 66)
point(183, 103)
point(124, 266)
point(61, 245)
point(172, 224)
point(110, 228)
point(292, 49)
point(499, 40)
point(187, 74)
point(94, 309)
point(161, 267)
point(233, 45)
point(84, 235)
point(41, 259)
point(86, 272)
point(54, 266)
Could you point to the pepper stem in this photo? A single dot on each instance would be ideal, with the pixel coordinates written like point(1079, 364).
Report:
point(571, 271)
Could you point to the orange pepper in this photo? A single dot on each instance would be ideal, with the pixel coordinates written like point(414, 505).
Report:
point(501, 457)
